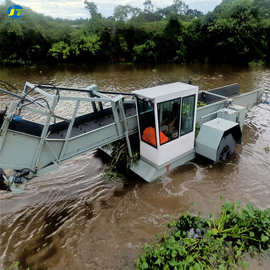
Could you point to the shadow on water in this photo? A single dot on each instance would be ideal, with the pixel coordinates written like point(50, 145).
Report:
point(44, 244)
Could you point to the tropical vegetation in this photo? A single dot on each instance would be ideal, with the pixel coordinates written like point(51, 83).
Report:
point(237, 31)
point(222, 242)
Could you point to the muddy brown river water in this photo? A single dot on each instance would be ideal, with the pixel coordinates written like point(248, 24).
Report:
point(75, 219)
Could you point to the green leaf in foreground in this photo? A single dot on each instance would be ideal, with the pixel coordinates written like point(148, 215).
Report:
point(193, 242)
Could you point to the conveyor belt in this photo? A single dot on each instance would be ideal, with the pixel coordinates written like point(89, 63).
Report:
point(82, 124)
point(89, 122)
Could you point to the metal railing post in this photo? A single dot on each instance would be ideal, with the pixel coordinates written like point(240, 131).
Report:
point(44, 134)
point(116, 116)
point(125, 125)
point(62, 153)
point(5, 125)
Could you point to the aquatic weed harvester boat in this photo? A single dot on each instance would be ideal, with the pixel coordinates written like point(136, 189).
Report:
point(165, 119)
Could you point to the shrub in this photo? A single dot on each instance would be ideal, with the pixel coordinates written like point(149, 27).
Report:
point(193, 242)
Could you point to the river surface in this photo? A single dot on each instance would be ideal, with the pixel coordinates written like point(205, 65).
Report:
point(76, 219)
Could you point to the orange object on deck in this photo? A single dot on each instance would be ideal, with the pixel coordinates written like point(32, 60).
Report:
point(149, 135)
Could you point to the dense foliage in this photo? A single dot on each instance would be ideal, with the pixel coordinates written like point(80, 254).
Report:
point(220, 243)
point(237, 31)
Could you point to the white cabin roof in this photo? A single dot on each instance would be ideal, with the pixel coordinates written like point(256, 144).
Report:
point(166, 90)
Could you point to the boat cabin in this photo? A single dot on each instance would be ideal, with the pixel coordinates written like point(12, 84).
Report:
point(166, 121)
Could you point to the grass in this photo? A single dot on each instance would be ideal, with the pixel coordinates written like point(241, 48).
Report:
point(193, 242)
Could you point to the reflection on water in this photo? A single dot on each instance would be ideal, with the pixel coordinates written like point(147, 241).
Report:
point(75, 219)
point(128, 77)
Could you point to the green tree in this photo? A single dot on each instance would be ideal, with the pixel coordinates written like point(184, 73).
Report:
point(145, 52)
point(60, 50)
point(179, 7)
point(121, 13)
point(264, 6)
point(86, 45)
point(93, 10)
point(148, 6)
point(237, 31)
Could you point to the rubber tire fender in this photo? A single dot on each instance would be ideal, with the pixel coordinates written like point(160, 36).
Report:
point(226, 147)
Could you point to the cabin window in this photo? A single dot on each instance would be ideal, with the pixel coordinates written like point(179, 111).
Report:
point(187, 115)
point(147, 121)
point(169, 118)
